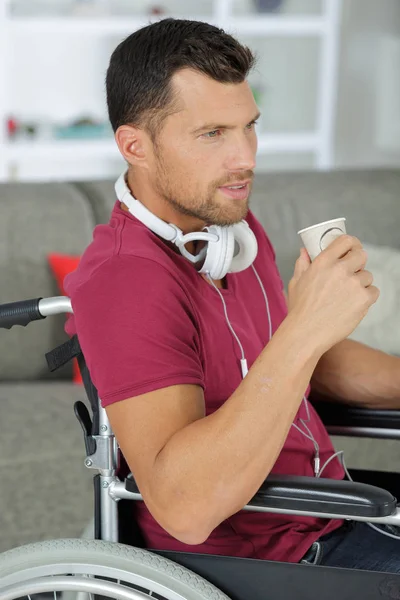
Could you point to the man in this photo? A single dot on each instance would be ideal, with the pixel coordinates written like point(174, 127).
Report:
point(164, 342)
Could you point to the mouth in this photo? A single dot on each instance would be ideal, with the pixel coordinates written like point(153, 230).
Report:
point(237, 191)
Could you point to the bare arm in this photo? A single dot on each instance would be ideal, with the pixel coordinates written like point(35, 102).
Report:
point(195, 471)
point(354, 373)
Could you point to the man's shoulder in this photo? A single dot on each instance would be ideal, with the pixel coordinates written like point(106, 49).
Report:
point(122, 271)
point(129, 283)
point(123, 245)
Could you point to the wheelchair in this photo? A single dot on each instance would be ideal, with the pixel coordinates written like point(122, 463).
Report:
point(115, 564)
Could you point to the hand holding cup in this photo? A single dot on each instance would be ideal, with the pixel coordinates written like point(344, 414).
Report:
point(330, 291)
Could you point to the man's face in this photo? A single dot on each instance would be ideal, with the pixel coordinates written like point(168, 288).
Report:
point(204, 156)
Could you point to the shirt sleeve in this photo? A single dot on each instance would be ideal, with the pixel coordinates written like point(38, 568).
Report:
point(137, 329)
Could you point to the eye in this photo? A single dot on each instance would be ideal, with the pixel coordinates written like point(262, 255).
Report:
point(212, 134)
point(251, 125)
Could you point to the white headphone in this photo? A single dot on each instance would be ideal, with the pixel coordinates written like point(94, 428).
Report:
point(229, 250)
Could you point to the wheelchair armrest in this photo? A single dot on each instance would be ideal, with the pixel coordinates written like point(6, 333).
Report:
point(314, 495)
point(330, 496)
point(335, 414)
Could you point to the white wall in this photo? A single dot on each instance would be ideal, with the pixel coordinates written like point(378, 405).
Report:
point(57, 77)
point(368, 115)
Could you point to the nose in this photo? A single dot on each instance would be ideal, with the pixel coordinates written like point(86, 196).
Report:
point(242, 154)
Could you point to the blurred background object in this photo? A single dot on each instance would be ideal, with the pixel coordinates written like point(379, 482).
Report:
point(327, 81)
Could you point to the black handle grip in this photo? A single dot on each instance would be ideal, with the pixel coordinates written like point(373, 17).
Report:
point(19, 313)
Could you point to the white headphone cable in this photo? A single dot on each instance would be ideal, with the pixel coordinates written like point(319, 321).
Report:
point(340, 453)
point(244, 367)
point(266, 301)
point(308, 435)
point(270, 336)
point(243, 361)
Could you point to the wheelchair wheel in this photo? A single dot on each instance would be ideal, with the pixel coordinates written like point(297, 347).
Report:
point(93, 569)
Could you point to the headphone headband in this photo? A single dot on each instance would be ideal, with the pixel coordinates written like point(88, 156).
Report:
point(168, 231)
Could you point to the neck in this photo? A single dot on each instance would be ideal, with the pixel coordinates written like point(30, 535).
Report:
point(143, 191)
point(162, 210)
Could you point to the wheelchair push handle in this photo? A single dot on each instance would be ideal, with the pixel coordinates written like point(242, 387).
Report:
point(25, 311)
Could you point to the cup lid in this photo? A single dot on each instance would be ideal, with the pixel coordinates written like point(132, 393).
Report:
point(323, 223)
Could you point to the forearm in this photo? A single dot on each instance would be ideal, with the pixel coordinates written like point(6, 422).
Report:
point(210, 469)
point(353, 373)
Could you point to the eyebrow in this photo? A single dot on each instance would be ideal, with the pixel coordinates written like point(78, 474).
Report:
point(213, 126)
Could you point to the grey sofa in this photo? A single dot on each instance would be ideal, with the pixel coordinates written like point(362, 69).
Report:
point(45, 490)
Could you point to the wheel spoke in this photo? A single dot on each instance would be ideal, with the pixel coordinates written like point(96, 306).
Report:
point(89, 570)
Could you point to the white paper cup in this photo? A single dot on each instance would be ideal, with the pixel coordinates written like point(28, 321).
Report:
point(318, 237)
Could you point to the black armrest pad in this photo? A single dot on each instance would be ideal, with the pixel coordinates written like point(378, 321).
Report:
point(316, 495)
point(337, 414)
point(330, 496)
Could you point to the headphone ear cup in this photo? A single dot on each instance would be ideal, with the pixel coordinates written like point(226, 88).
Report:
point(219, 254)
point(248, 247)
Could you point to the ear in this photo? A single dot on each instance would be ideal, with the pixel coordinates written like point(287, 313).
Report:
point(131, 144)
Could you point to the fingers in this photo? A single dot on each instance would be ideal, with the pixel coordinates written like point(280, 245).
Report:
point(355, 260)
point(365, 278)
point(339, 248)
point(374, 293)
point(302, 264)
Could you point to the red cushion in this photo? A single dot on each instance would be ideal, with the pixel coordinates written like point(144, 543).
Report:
point(61, 265)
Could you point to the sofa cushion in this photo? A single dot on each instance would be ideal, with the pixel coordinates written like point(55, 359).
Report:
point(35, 220)
point(380, 328)
point(101, 195)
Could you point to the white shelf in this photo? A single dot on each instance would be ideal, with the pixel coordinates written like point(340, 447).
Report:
point(81, 149)
point(63, 149)
point(101, 26)
point(47, 155)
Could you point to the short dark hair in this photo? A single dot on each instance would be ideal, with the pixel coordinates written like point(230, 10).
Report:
point(138, 81)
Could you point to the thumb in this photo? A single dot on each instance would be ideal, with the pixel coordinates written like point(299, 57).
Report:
point(302, 264)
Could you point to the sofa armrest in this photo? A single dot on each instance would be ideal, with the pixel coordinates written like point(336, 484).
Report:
point(316, 495)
